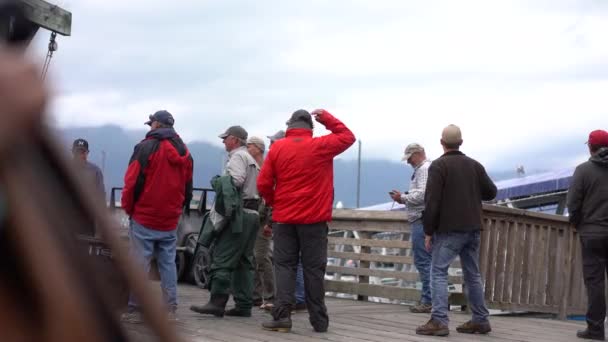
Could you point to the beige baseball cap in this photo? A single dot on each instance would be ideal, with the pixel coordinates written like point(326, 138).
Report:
point(257, 142)
point(451, 135)
point(411, 149)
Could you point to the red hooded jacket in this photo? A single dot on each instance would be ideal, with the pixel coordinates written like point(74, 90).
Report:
point(297, 178)
point(158, 181)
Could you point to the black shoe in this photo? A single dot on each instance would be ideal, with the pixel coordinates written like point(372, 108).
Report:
point(322, 329)
point(281, 325)
point(236, 312)
point(590, 334)
point(215, 307)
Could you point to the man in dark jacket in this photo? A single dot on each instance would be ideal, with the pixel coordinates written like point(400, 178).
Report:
point(158, 186)
point(297, 182)
point(588, 212)
point(452, 219)
point(92, 172)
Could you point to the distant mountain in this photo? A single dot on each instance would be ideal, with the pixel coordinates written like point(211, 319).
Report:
point(377, 176)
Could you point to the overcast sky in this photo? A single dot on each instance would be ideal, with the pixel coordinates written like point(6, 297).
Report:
point(522, 79)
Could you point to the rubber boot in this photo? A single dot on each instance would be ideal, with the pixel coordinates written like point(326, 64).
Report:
point(215, 307)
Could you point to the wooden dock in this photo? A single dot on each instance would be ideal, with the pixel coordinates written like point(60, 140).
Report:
point(351, 321)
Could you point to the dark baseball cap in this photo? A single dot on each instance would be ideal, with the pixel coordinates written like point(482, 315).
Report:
point(300, 119)
point(235, 131)
point(80, 144)
point(161, 116)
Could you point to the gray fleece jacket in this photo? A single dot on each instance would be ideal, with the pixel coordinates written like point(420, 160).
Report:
point(588, 196)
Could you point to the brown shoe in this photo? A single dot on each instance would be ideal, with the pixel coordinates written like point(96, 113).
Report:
point(433, 328)
point(421, 308)
point(474, 328)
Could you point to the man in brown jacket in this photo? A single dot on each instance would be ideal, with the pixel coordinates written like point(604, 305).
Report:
point(452, 219)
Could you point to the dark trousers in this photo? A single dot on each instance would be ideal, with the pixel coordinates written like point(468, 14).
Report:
point(595, 262)
point(309, 241)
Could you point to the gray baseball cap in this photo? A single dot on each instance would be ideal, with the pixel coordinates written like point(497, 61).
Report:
point(278, 135)
point(161, 116)
point(411, 149)
point(235, 131)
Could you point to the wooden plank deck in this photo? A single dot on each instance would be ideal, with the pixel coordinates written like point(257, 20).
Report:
point(351, 321)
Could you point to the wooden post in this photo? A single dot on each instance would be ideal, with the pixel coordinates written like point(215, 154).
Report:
point(566, 276)
point(364, 264)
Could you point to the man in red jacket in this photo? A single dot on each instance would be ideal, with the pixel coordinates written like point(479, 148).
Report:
point(158, 186)
point(297, 182)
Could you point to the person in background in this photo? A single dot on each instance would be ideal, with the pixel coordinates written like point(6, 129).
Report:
point(588, 212)
point(296, 180)
point(264, 274)
point(232, 266)
point(300, 291)
point(414, 205)
point(158, 188)
point(92, 172)
point(452, 225)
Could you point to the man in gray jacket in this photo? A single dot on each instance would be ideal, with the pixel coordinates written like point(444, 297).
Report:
point(588, 212)
point(233, 265)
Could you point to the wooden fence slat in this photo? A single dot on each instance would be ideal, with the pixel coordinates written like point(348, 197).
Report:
point(501, 250)
point(369, 215)
point(528, 263)
point(552, 279)
point(491, 275)
point(518, 261)
point(370, 226)
point(578, 283)
point(483, 249)
point(510, 263)
point(369, 242)
point(371, 257)
point(391, 292)
point(566, 273)
point(539, 286)
point(407, 276)
point(379, 258)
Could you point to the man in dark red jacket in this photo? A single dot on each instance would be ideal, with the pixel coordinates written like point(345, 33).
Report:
point(158, 186)
point(297, 182)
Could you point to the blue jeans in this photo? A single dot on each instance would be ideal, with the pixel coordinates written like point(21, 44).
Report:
point(422, 260)
point(300, 296)
point(146, 244)
point(446, 247)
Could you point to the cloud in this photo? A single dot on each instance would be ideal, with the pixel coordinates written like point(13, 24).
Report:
point(518, 77)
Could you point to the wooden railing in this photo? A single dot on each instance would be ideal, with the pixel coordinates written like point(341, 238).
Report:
point(529, 261)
